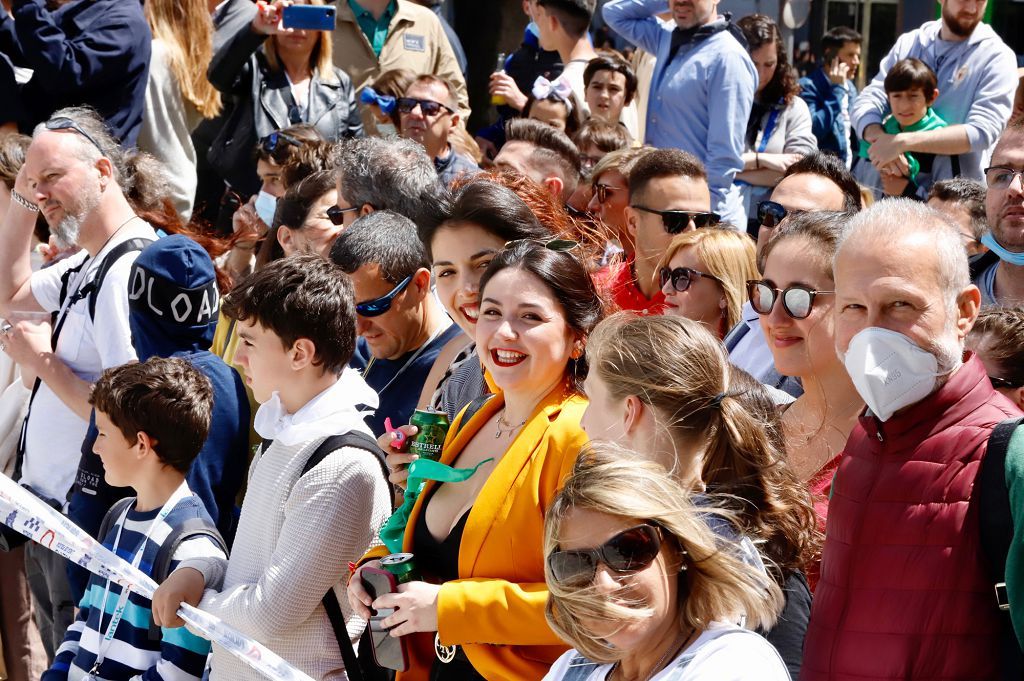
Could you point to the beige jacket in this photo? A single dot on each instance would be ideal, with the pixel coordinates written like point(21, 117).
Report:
point(415, 41)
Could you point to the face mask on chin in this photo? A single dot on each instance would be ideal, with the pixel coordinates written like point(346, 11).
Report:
point(889, 370)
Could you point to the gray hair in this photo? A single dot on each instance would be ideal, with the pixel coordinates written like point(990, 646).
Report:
point(389, 174)
point(89, 120)
point(888, 221)
point(384, 238)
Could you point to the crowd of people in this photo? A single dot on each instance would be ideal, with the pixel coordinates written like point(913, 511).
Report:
point(730, 361)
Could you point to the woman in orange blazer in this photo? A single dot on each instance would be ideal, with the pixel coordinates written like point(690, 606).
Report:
point(479, 543)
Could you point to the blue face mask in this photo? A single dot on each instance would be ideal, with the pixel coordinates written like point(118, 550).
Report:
point(1009, 257)
point(265, 205)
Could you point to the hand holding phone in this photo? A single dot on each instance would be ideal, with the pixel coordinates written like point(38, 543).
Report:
point(388, 651)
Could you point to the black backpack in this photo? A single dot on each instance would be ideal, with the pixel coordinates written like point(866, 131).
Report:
point(190, 529)
point(996, 517)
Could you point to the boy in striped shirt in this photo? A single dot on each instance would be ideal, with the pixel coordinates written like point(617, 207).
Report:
point(152, 420)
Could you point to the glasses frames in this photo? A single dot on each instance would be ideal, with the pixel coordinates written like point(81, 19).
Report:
point(557, 245)
point(797, 300)
point(604, 191)
point(378, 306)
point(336, 214)
point(406, 105)
point(682, 277)
point(629, 551)
point(1001, 177)
point(676, 221)
point(1004, 383)
point(65, 123)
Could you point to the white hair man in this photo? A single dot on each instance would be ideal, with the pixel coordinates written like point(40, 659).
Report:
point(72, 174)
point(904, 590)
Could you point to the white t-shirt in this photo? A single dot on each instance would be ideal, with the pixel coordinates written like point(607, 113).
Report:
point(724, 652)
point(55, 433)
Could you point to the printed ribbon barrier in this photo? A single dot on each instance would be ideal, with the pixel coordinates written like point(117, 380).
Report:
point(22, 511)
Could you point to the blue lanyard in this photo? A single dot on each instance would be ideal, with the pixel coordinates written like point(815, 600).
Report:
point(769, 128)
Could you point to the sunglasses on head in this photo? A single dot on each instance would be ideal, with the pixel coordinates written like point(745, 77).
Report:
point(682, 277)
point(676, 221)
point(631, 550)
point(65, 123)
point(429, 107)
point(378, 306)
point(336, 214)
point(797, 300)
point(557, 245)
point(603, 191)
point(771, 213)
point(276, 143)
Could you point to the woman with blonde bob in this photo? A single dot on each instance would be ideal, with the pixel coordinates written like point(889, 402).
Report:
point(663, 386)
point(703, 275)
point(639, 586)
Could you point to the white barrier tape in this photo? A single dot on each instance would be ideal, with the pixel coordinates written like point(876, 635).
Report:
point(23, 511)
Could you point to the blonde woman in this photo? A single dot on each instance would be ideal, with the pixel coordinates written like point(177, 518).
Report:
point(638, 585)
point(703, 275)
point(281, 78)
point(178, 94)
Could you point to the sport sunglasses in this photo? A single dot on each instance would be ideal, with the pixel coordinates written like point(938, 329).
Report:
point(682, 277)
point(631, 550)
point(797, 300)
point(676, 221)
point(429, 107)
point(378, 306)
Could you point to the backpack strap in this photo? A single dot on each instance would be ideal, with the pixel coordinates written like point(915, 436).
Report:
point(353, 438)
point(112, 515)
point(192, 528)
point(996, 526)
point(92, 289)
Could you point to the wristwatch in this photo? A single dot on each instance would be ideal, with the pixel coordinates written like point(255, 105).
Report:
point(23, 202)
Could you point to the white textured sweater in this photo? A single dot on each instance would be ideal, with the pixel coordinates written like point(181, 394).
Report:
point(295, 539)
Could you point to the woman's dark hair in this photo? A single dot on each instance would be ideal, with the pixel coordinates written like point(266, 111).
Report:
point(292, 211)
point(759, 31)
point(568, 279)
point(573, 111)
point(611, 61)
point(490, 206)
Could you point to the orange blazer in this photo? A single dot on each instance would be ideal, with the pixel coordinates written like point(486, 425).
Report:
point(495, 610)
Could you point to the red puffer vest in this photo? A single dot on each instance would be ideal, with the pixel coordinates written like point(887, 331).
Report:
point(903, 592)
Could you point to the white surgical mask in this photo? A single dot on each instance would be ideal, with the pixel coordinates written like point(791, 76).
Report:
point(265, 206)
point(387, 129)
point(889, 370)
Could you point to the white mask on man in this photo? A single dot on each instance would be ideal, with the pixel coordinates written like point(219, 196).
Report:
point(265, 206)
point(889, 370)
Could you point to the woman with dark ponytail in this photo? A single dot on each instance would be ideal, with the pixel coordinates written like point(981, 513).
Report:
point(663, 386)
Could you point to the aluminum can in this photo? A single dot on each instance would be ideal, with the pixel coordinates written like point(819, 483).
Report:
point(402, 566)
point(433, 429)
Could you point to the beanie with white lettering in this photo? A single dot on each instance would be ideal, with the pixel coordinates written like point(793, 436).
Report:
point(172, 298)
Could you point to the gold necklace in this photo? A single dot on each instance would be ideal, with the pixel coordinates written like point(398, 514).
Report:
point(504, 427)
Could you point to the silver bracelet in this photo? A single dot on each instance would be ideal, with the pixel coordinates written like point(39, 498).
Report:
point(23, 202)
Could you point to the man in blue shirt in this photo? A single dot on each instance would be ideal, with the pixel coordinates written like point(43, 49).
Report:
point(702, 88)
point(829, 91)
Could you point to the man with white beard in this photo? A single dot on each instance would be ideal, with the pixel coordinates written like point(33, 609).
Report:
point(72, 173)
point(905, 590)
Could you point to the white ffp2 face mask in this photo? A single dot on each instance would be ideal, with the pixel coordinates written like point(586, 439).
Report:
point(889, 370)
point(387, 129)
point(265, 206)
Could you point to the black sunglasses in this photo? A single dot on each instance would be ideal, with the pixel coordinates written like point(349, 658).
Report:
point(1004, 383)
point(771, 213)
point(631, 550)
point(378, 306)
point(336, 214)
point(428, 106)
point(65, 123)
point(676, 221)
point(557, 245)
point(797, 300)
point(682, 277)
point(276, 144)
point(603, 191)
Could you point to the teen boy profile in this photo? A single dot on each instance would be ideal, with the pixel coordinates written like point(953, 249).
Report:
point(152, 420)
point(298, 530)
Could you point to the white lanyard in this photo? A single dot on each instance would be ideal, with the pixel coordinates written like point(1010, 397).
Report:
point(409, 361)
point(103, 643)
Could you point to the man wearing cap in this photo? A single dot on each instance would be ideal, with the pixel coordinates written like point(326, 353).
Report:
point(73, 175)
point(702, 87)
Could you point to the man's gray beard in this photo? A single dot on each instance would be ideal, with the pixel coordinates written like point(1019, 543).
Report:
point(67, 230)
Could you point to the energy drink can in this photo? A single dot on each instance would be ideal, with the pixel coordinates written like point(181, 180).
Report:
point(402, 566)
point(432, 430)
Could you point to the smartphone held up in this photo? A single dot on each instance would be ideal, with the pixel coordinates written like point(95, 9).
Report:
point(309, 17)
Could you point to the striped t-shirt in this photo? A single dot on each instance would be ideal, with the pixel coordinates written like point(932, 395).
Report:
point(177, 654)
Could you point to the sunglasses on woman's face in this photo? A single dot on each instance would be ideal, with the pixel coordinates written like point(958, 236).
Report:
point(797, 300)
point(676, 221)
point(406, 105)
point(631, 550)
point(604, 191)
point(682, 277)
point(378, 306)
point(1004, 383)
